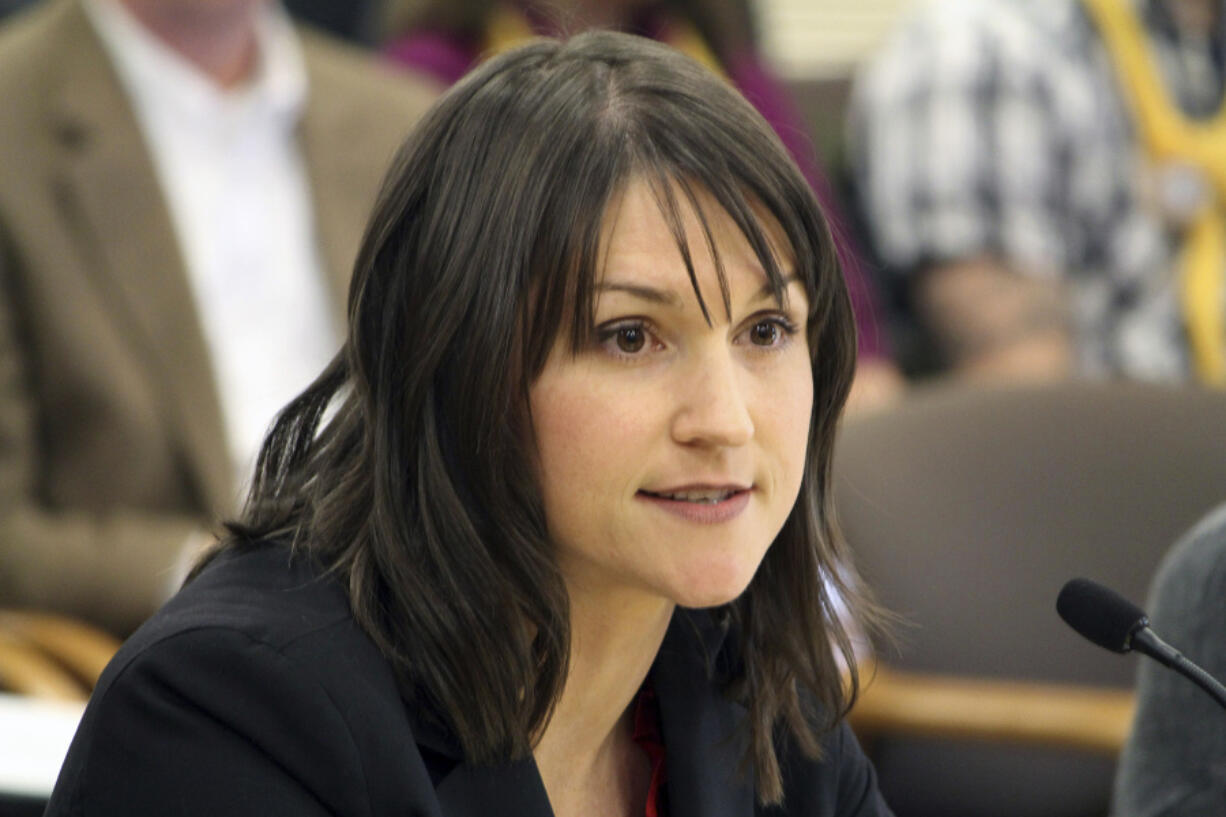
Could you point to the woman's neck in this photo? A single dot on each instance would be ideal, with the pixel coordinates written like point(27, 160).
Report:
point(587, 754)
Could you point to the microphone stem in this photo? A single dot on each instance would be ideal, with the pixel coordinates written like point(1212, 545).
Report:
point(1146, 641)
point(1201, 678)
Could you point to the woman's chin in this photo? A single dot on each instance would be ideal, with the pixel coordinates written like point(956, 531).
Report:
point(710, 588)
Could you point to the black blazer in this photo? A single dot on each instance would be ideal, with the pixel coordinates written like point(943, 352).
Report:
point(254, 692)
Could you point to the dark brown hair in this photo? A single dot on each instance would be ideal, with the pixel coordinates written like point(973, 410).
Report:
point(418, 489)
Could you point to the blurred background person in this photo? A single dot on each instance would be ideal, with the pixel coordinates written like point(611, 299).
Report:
point(183, 186)
point(1049, 181)
point(354, 20)
point(1174, 764)
point(444, 38)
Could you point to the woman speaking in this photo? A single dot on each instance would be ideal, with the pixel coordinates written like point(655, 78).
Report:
point(552, 533)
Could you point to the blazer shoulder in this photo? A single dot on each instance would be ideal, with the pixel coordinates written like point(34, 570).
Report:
point(264, 706)
point(24, 36)
point(339, 70)
point(33, 43)
point(265, 587)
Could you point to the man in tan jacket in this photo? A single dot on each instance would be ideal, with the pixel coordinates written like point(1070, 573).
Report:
point(134, 248)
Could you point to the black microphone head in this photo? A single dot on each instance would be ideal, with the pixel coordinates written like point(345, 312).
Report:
point(1100, 614)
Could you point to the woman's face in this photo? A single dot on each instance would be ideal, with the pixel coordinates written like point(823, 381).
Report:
point(671, 451)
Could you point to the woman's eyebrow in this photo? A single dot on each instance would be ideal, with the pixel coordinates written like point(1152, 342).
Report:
point(668, 297)
point(656, 296)
point(768, 289)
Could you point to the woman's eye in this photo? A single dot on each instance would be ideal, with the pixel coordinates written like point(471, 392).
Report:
point(624, 340)
point(770, 333)
point(764, 333)
point(630, 339)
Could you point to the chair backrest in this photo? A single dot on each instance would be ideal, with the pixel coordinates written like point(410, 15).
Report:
point(968, 508)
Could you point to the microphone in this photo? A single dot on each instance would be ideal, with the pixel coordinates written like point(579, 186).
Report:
point(1113, 622)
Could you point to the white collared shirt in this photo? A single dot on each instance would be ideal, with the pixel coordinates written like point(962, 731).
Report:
point(235, 182)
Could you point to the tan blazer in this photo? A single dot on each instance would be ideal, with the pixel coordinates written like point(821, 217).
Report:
point(112, 447)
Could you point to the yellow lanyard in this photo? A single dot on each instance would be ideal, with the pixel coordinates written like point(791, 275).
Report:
point(1171, 139)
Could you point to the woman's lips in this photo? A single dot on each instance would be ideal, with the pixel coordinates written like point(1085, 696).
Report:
point(703, 513)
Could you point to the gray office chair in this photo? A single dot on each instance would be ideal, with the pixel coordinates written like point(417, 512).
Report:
point(967, 509)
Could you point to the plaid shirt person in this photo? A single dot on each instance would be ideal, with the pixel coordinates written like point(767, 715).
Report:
point(996, 128)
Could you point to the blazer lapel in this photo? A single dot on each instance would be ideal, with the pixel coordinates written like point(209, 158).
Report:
point(509, 790)
point(108, 189)
point(704, 743)
point(704, 739)
point(513, 790)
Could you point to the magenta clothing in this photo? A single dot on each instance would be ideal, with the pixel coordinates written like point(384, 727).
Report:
point(448, 56)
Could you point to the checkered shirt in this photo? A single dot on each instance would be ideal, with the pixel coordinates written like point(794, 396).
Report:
point(996, 128)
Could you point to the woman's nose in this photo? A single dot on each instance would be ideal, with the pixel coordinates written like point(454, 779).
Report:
point(712, 404)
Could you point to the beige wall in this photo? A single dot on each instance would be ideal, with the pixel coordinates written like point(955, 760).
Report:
point(822, 39)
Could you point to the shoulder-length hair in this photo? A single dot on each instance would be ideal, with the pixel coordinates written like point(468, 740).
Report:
point(408, 466)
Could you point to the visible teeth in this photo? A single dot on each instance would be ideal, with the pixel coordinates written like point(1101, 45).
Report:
point(706, 497)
